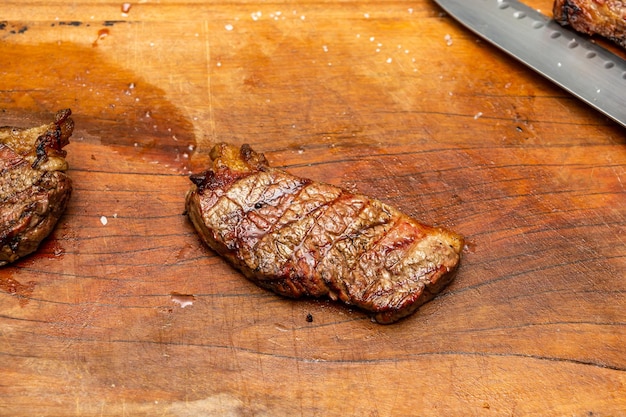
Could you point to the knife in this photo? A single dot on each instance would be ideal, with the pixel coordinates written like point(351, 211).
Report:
point(593, 74)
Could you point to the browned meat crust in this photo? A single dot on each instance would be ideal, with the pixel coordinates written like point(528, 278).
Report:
point(33, 190)
point(606, 18)
point(303, 238)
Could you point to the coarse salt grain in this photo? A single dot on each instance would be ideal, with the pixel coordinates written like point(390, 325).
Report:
point(104, 220)
point(228, 27)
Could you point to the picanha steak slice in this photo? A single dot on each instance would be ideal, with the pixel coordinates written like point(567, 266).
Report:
point(299, 238)
point(33, 189)
point(606, 18)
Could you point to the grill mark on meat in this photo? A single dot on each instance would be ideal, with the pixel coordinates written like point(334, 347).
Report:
point(352, 244)
point(301, 238)
point(293, 266)
point(303, 259)
point(240, 226)
point(312, 247)
point(375, 266)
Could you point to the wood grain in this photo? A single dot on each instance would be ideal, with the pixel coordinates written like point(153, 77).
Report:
point(393, 99)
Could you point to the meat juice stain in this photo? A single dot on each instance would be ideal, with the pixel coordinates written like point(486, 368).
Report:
point(112, 104)
point(102, 33)
point(183, 300)
point(22, 291)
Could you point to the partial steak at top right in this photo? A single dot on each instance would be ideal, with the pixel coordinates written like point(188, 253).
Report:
point(606, 18)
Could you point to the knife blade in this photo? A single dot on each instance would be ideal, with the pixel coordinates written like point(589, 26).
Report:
point(588, 71)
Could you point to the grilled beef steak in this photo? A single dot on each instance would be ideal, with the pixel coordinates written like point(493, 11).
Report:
point(606, 18)
point(33, 189)
point(303, 238)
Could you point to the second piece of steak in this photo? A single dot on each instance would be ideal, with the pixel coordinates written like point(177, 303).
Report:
point(303, 238)
point(33, 189)
point(606, 18)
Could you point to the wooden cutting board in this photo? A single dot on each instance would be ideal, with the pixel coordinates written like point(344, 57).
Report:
point(124, 312)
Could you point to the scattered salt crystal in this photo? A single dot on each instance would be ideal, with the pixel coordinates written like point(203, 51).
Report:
point(104, 220)
point(366, 15)
point(372, 39)
point(219, 64)
point(389, 60)
point(256, 16)
point(410, 11)
point(448, 39)
point(478, 115)
point(228, 27)
point(325, 48)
